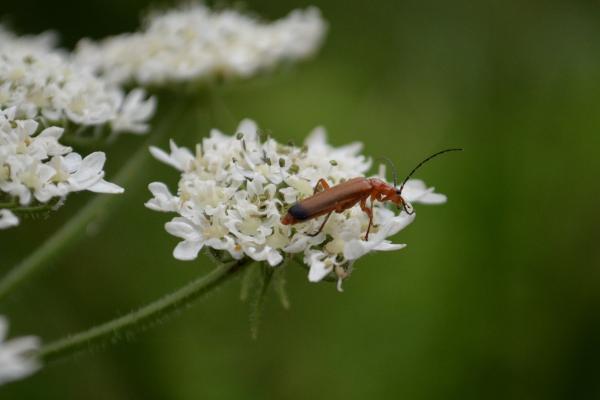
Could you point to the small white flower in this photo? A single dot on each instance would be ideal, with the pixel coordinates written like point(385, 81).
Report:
point(193, 241)
point(235, 189)
point(193, 43)
point(178, 159)
point(43, 82)
point(8, 219)
point(356, 248)
point(15, 359)
point(37, 168)
point(416, 191)
point(134, 112)
point(163, 199)
point(87, 174)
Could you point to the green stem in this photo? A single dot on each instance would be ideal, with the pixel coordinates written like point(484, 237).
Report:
point(259, 296)
point(96, 210)
point(31, 209)
point(13, 203)
point(18, 208)
point(142, 318)
point(35, 208)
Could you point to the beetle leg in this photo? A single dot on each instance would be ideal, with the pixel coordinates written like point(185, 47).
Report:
point(322, 225)
point(369, 212)
point(409, 210)
point(375, 197)
point(323, 183)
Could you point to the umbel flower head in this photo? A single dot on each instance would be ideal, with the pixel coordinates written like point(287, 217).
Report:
point(15, 361)
point(44, 83)
point(235, 189)
point(194, 43)
point(36, 168)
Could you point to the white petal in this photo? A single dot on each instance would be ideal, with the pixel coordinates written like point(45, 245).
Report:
point(248, 128)
point(182, 228)
point(433, 198)
point(357, 248)
point(103, 186)
point(187, 250)
point(72, 162)
point(386, 245)
point(163, 199)
point(89, 172)
point(162, 156)
point(318, 271)
point(7, 220)
point(179, 158)
point(415, 191)
point(317, 138)
point(45, 172)
point(53, 131)
point(16, 361)
point(267, 253)
point(94, 162)
point(318, 268)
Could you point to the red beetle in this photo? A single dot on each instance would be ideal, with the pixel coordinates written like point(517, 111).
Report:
point(347, 194)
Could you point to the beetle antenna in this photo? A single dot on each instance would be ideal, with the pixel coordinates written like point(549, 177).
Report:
point(391, 164)
point(423, 162)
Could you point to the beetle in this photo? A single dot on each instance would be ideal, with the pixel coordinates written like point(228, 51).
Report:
point(349, 193)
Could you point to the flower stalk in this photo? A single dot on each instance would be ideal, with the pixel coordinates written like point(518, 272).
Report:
point(144, 317)
point(259, 295)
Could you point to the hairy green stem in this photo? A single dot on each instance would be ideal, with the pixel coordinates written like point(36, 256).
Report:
point(31, 209)
point(73, 230)
point(258, 297)
point(142, 318)
point(9, 206)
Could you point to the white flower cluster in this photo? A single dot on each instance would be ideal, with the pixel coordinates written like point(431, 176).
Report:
point(42, 43)
point(36, 167)
point(196, 43)
point(15, 362)
point(234, 191)
point(43, 82)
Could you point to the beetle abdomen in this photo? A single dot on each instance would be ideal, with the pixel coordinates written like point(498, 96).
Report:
point(339, 197)
point(299, 212)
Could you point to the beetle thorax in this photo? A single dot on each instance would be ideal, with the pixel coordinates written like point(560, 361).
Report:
point(382, 187)
point(386, 191)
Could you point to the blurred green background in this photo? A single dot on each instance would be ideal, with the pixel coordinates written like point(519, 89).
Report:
point(497, 295)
